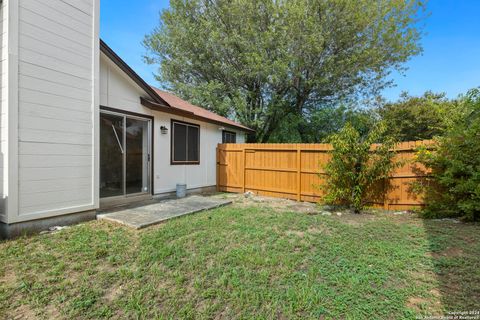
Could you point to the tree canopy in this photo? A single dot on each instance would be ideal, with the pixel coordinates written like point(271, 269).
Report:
point(318, 125)
point(419, 118)
point(263, 61)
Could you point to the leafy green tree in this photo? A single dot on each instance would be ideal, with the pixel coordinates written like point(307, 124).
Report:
point(318, 125)
point(356, 168)
point(454, 186)
point(263, 61)
point(419, 118)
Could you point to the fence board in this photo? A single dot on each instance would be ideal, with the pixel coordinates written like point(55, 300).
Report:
point(296, 171)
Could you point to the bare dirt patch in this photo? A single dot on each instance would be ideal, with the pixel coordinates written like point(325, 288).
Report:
point(277, 204)
point(113, 293)
point(426, 276)
point(305, 207)
point(319, 230)
point(415, 303)
point(450, 252)
point(21, 313)
point(314, 230)
point(9, 278)
point(356, 219)
point(52, 312)
point(432, 306)
point(343, 215)
point(435, 292)
point(297, 233)
point(286, 205)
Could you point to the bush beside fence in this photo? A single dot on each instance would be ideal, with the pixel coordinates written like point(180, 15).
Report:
point(295, 171)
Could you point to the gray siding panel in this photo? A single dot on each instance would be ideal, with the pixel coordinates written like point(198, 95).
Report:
point(3, 110)
point(56, 105)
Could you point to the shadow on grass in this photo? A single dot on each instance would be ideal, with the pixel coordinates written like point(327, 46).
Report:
point(455, 255)
point(454, 250)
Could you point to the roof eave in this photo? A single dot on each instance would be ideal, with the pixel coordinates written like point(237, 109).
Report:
point(172, 110)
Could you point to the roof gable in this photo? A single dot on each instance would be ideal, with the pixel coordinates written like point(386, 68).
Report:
point(105, 49)
point(165, 101)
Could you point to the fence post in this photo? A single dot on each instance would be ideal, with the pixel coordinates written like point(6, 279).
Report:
point(385, 193)
point(218, 151)
point(243, 169)
point(299, 173)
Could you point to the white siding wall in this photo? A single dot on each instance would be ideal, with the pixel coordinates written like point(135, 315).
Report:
point(3, 108)
point(57, 107)
point(119, 92)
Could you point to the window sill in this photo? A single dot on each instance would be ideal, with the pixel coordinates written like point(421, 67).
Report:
point(176, 163)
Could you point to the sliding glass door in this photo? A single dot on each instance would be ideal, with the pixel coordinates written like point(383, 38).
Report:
point(136, 154)
point(111, 155)
point(124, 155)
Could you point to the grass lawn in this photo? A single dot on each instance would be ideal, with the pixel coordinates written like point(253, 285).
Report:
point(246, 262)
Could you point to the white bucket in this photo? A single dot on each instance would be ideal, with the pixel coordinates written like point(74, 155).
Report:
point(181, 190)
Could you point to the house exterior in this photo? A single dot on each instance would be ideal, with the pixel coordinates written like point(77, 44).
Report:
point(81, 130)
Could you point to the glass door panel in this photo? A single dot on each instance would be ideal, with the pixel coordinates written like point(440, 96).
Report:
point(111, 155)
point(137, 156)
point(124, 155)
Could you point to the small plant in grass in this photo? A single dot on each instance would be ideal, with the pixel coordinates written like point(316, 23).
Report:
point(358, 167)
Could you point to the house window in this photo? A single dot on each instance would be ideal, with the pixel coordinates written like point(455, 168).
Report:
point(185, 144)
point(229, 137)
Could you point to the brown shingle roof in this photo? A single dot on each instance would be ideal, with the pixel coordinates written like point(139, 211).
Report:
point(178, 103)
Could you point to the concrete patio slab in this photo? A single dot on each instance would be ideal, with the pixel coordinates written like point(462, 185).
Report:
point(142, 216)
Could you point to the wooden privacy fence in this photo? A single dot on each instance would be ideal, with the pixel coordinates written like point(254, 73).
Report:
point(295, 171)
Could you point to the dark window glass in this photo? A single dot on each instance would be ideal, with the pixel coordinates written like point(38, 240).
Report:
point(111, 155)
point(233, 137)
point(179, 142)
point(185, 143)
point(229, 137)
point(192, 144)
point(136, 159)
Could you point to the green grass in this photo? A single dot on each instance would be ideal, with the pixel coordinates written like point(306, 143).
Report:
point(245, 263)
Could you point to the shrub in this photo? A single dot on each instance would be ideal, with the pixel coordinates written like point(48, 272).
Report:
point(455, 166)
point(356, 168)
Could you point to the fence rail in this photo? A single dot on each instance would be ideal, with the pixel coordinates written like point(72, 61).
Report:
point(294, 171)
